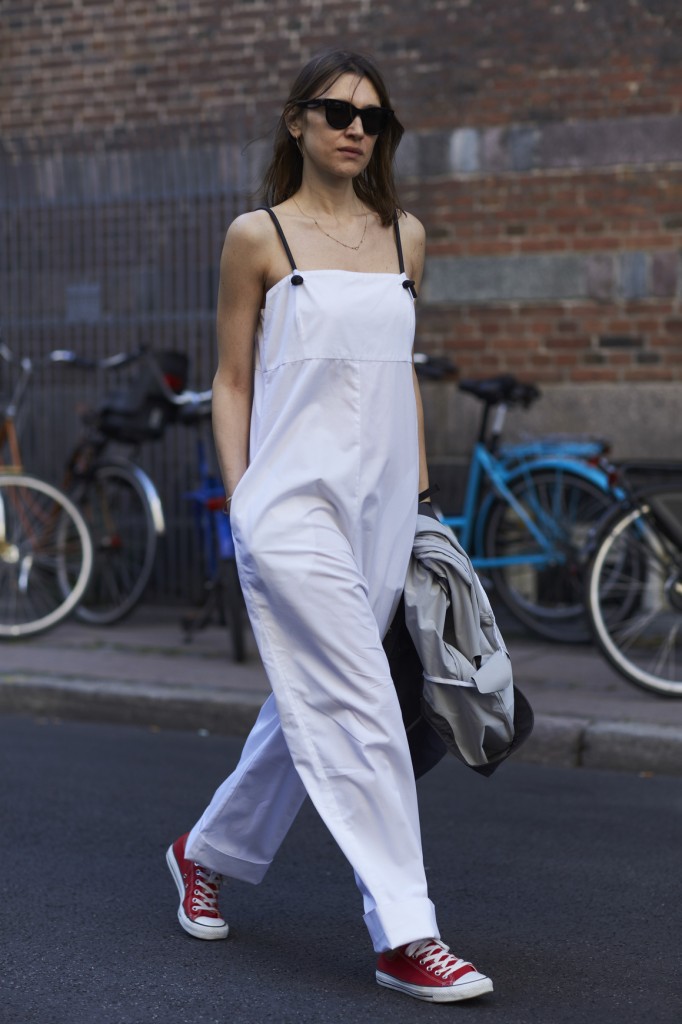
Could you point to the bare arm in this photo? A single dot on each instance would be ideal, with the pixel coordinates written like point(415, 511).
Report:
point(239, 300)
point(413, 236)
point(423, 468)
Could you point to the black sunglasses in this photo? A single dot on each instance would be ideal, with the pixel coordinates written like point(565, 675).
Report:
point(340, 114)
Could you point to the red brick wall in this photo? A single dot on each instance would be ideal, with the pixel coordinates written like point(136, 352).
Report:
point(116, 72)
point(609, 213)
point(121, 65)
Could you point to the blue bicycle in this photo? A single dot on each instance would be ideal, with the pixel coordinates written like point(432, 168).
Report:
point(122, 507)
point(223, 595)
point(529, 513)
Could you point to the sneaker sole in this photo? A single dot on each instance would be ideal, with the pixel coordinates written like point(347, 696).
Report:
point(199, 931)
point(453, 994)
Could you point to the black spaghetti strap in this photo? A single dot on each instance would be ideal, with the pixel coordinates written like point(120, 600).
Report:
point(409, 285)
point(398, 243)
point(296, 278)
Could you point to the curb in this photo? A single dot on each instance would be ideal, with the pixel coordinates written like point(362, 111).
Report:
point(611, 745)
point(125, 703)
point(557, 740)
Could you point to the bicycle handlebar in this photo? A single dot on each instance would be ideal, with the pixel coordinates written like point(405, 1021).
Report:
point(59, 355)
point(115, 362)
point(72, 358)
point(196, 403)
point(121, 359)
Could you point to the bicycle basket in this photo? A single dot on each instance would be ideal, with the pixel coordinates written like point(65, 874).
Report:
point(140, 411)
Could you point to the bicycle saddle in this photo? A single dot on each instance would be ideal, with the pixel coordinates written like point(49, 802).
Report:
point(505, 388)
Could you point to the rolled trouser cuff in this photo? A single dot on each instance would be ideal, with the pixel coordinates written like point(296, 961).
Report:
point(395, 924)
point(208, 856)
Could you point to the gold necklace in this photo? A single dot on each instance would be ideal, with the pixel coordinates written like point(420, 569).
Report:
point(337, 240)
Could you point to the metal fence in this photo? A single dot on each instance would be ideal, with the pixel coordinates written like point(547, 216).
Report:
point(105, 252)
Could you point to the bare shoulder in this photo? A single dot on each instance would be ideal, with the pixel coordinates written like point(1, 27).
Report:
point(244, 262)
point(247, 252)
point(413, 239)
point(249, 233)
point(411, 229)
point(411, 226)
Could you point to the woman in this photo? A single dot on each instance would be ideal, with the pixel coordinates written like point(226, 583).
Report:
point(319, 433)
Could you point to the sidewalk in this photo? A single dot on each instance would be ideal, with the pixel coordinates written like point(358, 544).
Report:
point(142, 672)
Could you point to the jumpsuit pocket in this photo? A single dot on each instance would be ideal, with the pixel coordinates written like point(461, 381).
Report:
point(237, 492)
point(238, 489)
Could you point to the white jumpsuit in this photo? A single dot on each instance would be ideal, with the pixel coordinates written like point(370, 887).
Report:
point(323, 522)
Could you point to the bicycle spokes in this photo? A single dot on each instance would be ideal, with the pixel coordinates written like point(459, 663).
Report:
point(45, 555)
point(121, 523)
point(536, 548)
point(635, 596)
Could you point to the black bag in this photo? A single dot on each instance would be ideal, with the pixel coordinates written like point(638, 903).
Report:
point(427, 745)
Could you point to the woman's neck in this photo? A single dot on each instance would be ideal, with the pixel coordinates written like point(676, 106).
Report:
point(336, 199)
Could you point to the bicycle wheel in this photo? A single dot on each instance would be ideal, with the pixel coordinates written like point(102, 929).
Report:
point(548, 598)
point(233, 608)
point(116, 509)
point(634, 592)
point(45, 556)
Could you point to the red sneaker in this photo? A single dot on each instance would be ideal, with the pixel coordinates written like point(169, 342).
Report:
point(198, 912)
point(426, 969)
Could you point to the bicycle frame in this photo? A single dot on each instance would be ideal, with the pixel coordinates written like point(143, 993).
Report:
point(223, 592)
point(8, 431)
point(9, 440)
point(543, 447)
point(644, 513)
point(485, 466)
point(208, 501)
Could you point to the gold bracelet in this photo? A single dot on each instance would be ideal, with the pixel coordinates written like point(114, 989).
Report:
point(226, 506)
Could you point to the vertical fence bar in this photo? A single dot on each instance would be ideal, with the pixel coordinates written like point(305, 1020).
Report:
point(106, 251)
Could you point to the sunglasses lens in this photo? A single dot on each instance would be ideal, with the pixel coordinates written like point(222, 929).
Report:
point(374, 120)
point(339, 114)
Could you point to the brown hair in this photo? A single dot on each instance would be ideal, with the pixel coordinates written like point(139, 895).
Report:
point(376, 185)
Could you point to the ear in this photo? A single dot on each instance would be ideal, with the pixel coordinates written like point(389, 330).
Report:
point(292, 121)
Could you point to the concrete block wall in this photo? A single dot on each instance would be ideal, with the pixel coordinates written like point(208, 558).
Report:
point(544, 155)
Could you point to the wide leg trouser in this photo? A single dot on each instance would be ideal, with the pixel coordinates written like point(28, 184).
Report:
point(332, 730)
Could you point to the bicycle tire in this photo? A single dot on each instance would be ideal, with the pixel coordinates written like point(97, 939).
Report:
point(46, 556)
point(634, 592)
point(233, 607)
point(121, 523)
point(548, 599)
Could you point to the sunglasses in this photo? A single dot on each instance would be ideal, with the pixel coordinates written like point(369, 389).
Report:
point(341, 114)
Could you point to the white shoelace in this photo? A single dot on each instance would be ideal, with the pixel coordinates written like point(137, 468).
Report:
point(435, 954)
point(205, 896)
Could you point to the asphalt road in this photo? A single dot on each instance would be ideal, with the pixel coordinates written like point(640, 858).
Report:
point(563, 885)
